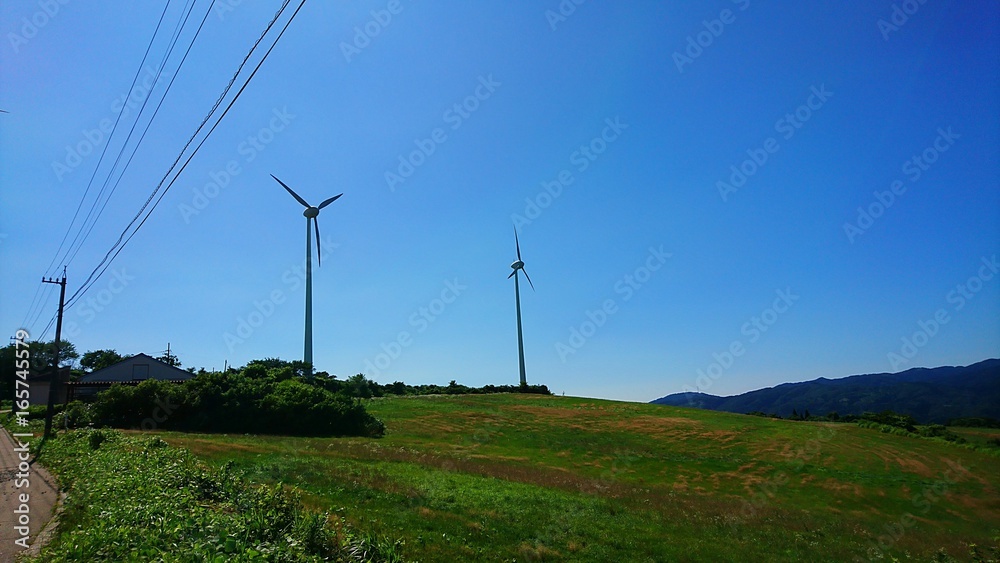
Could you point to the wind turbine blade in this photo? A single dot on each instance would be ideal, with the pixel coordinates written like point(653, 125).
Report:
point(529, 279)
point(512, 274)
point(319, 252)
point(295, 195)
point(517, 244)
point(328, 202)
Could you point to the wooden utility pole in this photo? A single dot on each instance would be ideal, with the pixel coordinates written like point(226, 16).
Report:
point(13, 379)
point(54, 380)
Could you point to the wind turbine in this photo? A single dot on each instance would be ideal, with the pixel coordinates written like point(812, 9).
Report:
point(519, 265)
point(311, 213)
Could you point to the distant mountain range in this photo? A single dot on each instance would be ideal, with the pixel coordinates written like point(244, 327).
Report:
point(930, 395)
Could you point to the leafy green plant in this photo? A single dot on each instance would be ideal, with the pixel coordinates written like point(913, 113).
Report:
point(134, 499)
point(255, 400)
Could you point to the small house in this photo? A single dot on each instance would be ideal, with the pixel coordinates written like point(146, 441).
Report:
point(38, 386)
point(130, 371)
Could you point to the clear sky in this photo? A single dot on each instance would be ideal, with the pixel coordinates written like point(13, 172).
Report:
point(686, 179)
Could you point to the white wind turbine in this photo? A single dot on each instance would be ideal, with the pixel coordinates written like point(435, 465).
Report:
point(516, 266)
point(311, 213)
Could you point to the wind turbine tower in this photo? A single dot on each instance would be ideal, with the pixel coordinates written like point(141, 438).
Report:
point(311, 214)
point(518, 265)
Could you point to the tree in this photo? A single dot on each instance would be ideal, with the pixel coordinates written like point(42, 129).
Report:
point(298, 367)
point(100, 359)
point(7, 371)
point(169, 358)
point(42, 354)
point(358, 386)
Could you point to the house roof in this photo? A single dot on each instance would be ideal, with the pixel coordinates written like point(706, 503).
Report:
point(124, 371)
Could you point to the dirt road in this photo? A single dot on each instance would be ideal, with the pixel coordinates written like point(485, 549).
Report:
point(36, 483)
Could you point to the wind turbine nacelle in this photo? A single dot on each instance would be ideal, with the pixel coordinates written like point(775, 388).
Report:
point(311, 212)
point(517, 265)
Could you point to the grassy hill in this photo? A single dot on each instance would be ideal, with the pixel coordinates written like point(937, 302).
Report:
point(930, 395)
point(532, 478)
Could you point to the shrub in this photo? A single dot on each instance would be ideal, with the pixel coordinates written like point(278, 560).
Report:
point(890, 418)
point(76, 414)
point(975, 422)
point(257, 400)
point(940, 431)
point(96, 438)
point(126, 406)
point(141, 500)
point(39, 411)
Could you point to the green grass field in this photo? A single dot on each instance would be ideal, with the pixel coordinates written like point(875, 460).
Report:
point(536, 478)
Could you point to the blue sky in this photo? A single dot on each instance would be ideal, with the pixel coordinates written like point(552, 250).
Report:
point(659, 265)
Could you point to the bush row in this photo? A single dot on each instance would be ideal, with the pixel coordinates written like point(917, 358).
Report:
point(254, 400)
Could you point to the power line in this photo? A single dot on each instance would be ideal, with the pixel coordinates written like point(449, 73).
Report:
point(41, 335)
point(32, 320)
point(120, 245)
point(208, 116)
point(31, 306)
point(113, 129)
point(143, 134)
point(35, 302)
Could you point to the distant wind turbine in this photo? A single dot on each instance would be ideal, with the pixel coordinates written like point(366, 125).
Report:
point(311, 213)
point(519, 265)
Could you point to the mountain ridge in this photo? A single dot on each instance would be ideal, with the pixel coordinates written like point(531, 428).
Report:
point(930, 395)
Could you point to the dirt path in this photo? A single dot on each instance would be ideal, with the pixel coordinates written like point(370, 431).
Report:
point(38, 485)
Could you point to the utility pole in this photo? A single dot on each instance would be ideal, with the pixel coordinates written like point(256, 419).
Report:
point(54, 380)
point(13, 379)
